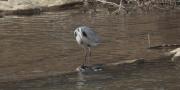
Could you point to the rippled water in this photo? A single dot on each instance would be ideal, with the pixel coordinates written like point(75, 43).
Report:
point(40, 52)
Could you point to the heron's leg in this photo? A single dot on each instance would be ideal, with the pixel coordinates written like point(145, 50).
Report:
point(89, 49)
point(85, 57)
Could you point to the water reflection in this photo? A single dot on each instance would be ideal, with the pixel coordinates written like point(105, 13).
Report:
point(81, 81)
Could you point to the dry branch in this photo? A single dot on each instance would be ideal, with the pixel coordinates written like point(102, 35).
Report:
point(143, 5)
point(109, 3)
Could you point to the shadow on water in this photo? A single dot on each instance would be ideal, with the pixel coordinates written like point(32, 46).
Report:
point(40, 53)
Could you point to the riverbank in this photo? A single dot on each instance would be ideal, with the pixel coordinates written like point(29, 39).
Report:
point(31, 7)
point(36, 7)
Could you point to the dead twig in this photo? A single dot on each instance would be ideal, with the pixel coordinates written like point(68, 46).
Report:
point(106, 2)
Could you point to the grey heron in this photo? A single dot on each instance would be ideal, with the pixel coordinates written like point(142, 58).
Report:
point(86, 38)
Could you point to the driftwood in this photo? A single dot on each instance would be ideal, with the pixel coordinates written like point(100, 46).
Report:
point(164, 46)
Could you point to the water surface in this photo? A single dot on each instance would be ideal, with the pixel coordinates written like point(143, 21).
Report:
point(40, 52)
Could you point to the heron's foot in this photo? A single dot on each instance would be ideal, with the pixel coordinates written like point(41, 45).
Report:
point(93, 68)
point(84, 67)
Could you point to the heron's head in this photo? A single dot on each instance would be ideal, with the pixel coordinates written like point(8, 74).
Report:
point(76, 32)
point(79, 30)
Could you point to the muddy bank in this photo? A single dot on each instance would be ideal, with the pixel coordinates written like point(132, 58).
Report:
point(31, 7)
point(30, 4)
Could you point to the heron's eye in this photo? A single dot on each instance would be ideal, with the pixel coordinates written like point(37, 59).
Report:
point(84, 34)
point(75, 34)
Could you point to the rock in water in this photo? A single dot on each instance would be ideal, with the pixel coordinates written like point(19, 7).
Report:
point(93, 68)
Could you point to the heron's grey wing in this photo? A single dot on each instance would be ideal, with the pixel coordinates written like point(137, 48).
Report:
point(92, 36)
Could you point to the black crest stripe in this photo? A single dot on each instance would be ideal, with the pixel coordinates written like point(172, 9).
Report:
point(84, 34)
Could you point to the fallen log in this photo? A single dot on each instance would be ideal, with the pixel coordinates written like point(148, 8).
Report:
point(164, 46)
